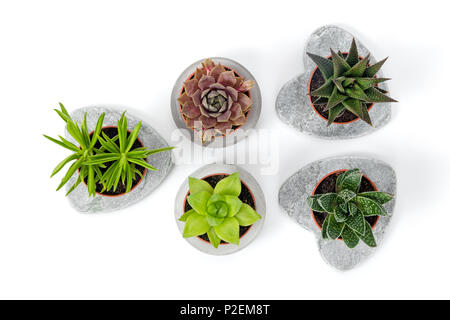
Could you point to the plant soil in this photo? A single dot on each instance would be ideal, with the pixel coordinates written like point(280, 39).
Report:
point(111, 132)
point(328, 185)
point(317, 81)
point(247, 93)
point(245, 196)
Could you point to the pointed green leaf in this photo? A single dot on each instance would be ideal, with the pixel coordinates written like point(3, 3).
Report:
point(328, 202)
point(357, 223)
point(335, 228)
point(228, 231)
point(370, 207)
point(357, 93)
point(358, 69)
point(325, 66)
point(340, 214)
point(346, 195)
point(340, 66)
point(198, 201)
point(374, 95)
point(350, 238)
point(368, 237)
point(380, 197)
point(197, 185)
point(351, 181)
point(230, 185)
point(63, 163)
point(234, 205)
point(325, 90)
point(213, 238)
point(352, 208)
point(325, 227)
point(335, 99)
point(353, 55)
point(247, 215)
point(196, 225)
point(334, 112)
point(366, 83)
point(313, 203)
point(184, 217)
point(372, 70)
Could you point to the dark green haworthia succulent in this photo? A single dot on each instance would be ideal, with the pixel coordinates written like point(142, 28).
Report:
point(350, 84)
point(347, 208)
point(218, 211)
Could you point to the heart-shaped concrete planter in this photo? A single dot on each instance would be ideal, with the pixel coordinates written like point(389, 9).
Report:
point(293, 103)
point(295, 191)
point(220, 140)
point(258, 198)
point(80, 199)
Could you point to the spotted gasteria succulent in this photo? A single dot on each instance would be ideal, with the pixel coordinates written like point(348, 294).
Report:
point(214, 100)
point(350, 84)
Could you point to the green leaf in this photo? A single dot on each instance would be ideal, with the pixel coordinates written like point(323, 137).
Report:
point(64, 162)
point(325, 227)
point(98, 129)
point(374, 95)
point(196, 225)
point(351, 181)
point(356, 92)
point(370, 207)
point(74, 167)
point(154, 151)
point(368, 237)
point(358, 69)
point(230, 185)
point(334, 112)
point(247, 215)
point(352, 208)
point(214, 221)
point(372, 70)
point(70, 146)
point(326, 90)
point(340, 66)
point(366, 83)
point(313, 203)
point(76, 184)
point(356, 107)
point(328, 202)
point(340, 214)
point(356, 223)
point(380, 197)
point(234, 205)
point(353, 55)
point(133, 136)
point(228, 231)
point(335, 228)
point(142, 163)
point(346, 195)
point(335, 99)
point(198, 201)
point(350, 238)
point(325, 66)
point(186, 215)
point(197, 185)
point(213, 238)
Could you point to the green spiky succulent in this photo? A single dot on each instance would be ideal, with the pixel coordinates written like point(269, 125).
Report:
point(347, 209)
point(218, 211)
point(105, 165)
point(350, 84)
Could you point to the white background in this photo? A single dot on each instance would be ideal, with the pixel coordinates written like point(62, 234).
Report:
point(130, 53)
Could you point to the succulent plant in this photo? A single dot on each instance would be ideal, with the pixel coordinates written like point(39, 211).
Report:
point(347, 208)
point(218, 211)
point(214, 100)
point(107, 164)
point(122, 157)
point(81, 154)
point(350, 84)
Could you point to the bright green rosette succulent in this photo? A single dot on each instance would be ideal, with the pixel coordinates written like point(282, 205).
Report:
point(347, 208)
point(218, 211)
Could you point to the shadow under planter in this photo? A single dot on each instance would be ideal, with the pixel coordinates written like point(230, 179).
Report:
point(293, 195)
point(251, 194)
point(294, 106)
point(148, 137)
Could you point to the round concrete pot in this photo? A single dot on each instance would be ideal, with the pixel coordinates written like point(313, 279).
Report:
point(260, 204)
point(220, 141)
point(80, 198)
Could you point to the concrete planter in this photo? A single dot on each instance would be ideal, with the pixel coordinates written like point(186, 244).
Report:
point(254, 188)
point(293, 104)
point(80, 199)
point(237, 135)
point(294, 192)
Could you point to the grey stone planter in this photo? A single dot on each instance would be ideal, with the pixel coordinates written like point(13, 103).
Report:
point(296, 189)
point(293, 104)
point(260, 204)
point(237, 135)
point(80, 199)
